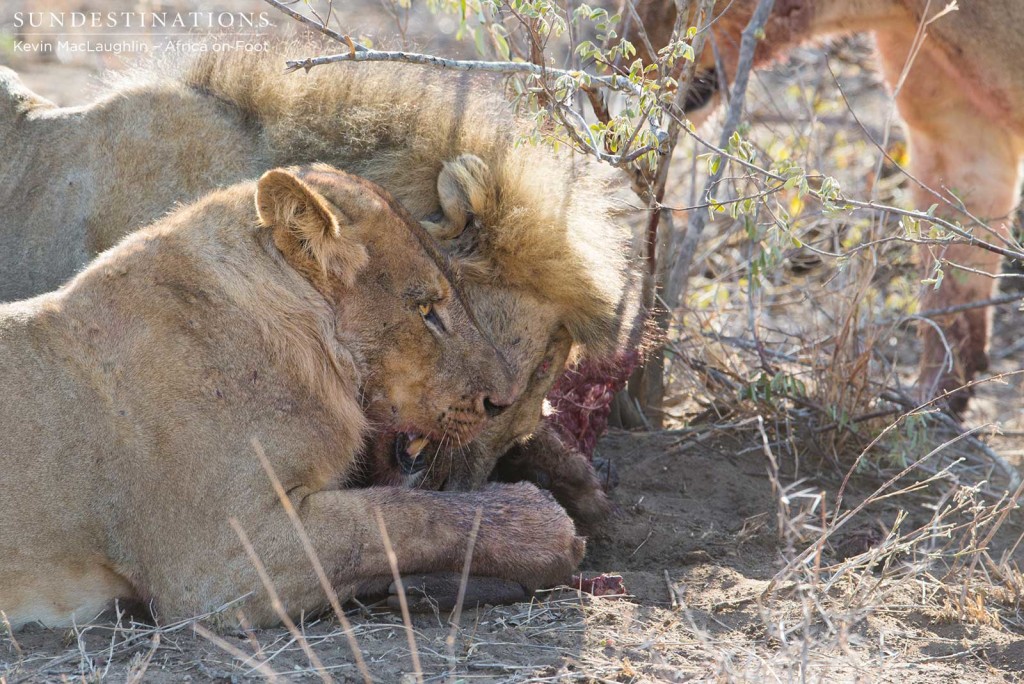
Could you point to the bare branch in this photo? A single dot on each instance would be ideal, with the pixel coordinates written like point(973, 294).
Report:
point(319, 26)
point(967, 306)
point(680, 272)
point(947, 225)
point(612, 82)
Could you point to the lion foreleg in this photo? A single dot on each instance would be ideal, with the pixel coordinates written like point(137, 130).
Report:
point(524, 537)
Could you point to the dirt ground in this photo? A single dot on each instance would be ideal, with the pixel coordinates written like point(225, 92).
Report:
point(695, 539)
point(707, 536)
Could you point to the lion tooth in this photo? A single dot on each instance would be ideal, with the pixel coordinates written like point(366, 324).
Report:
point(416, 446)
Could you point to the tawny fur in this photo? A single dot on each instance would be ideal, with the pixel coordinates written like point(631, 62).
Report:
point(962, 100)
point(533, 239)
point(399, 126)
point(280, 311)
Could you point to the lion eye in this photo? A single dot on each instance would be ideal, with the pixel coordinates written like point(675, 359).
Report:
point(426, 309)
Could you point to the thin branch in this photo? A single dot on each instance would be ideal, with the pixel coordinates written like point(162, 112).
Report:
point(612, 82)
point(839, 203)
point(679, 275)
point(321, 27)
point(846, 202)
point(466, 566)
point(956, 206)
point(951, 227)
point(980, 272)
point(641, 30)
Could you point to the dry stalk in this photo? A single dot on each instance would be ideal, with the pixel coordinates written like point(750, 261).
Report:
point(136, 673)
point(261, 666)
point(314, 559)
point(402, 601)
point(277, 605)
point(10, 634)
point(457, 613)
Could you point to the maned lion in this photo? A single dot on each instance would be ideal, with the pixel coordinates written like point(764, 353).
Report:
point(530, 231)
point(272, 311)
point(961, 95)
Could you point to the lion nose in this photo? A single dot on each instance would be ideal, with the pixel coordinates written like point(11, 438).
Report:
point(492, 408)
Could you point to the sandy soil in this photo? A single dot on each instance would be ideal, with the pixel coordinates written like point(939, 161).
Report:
point(696, 541)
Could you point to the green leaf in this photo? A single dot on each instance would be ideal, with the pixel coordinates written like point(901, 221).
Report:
point(478, 40)
point(502, 45)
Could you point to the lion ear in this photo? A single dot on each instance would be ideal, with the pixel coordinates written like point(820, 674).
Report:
point(466, 188)
point(305, 230)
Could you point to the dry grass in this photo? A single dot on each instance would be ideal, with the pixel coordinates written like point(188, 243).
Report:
point(932, 590)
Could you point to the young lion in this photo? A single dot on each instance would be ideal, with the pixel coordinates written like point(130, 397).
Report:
point(961, 96)
point(140, 385)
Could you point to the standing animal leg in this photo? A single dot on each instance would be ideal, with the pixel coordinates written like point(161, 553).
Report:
point(969, 164)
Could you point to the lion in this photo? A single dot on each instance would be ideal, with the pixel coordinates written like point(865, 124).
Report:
point(284, 315)
point(532, 232)
point(961, 99)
